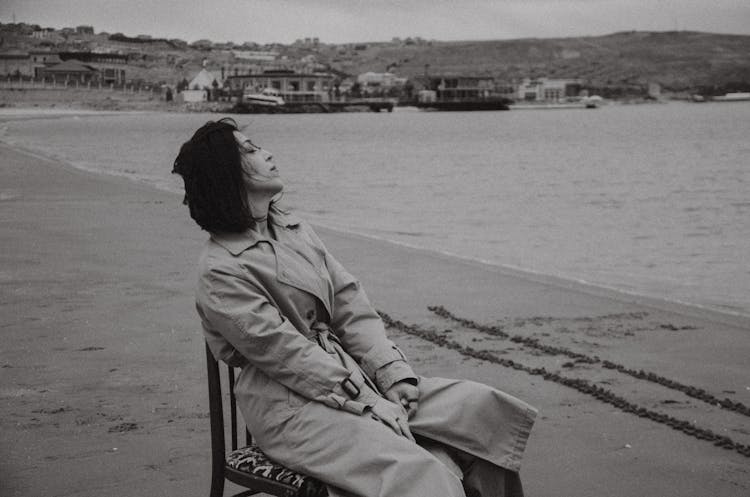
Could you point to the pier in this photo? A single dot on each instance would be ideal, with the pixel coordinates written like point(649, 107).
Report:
point(372, 104)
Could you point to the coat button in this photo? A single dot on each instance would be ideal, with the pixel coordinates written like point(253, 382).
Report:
point(310, 314)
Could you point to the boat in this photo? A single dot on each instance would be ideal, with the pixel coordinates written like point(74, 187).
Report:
point(428, 99)
point(592, 102)
point(732, 97)
point(466, 104)
point(268, 97)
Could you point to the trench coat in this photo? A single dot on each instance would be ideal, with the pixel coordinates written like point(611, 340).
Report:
point(314, 356)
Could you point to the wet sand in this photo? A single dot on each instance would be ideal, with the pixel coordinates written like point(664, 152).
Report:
point(102, 374)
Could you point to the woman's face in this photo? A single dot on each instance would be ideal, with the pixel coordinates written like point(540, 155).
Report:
point(261, 175)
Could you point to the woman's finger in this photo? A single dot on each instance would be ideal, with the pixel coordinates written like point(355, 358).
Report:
point(399, 425)
point(412, 409)
point(393, 424)
point(392, 396)
point(404, 426)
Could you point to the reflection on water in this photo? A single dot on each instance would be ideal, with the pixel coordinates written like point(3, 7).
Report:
point(651, 199)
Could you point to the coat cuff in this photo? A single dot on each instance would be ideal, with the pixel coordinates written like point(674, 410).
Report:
point(379, 356)
point(394, 372)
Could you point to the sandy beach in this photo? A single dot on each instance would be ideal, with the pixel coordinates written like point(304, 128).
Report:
point(103, 375)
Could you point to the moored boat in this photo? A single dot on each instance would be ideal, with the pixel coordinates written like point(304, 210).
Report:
point(732, 97)
point(268, 97)
point(592, 102)
point(466, 104)
point(460, 93)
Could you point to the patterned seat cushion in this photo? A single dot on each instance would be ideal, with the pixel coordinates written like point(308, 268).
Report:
point(252, 460)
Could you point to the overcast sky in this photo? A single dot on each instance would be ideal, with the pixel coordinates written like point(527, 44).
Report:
point(339, 21)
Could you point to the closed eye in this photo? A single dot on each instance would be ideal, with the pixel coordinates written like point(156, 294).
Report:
point(251, 147)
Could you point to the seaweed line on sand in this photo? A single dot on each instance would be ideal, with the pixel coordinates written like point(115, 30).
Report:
point(690, 391)
point(580, 385)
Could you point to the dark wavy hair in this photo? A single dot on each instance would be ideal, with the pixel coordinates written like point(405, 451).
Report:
point(211, 167)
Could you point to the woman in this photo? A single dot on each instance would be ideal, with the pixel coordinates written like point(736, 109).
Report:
point(322, 388)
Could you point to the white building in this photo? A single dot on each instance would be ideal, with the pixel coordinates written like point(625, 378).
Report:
point(204, 80)
point(191, 96)
point(548, 90)
point(291, 86)
point(381, 80)
point(255, 55)
point(199, 87)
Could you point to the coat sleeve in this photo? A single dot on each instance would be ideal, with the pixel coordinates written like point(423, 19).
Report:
point(236, 308)
point(360, 329)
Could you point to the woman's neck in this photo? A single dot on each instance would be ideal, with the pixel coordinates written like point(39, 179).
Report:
point(259, 209)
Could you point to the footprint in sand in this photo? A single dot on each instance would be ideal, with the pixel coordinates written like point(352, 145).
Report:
point(123, 427)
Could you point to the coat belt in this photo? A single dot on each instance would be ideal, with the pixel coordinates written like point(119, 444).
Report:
point(324, 336)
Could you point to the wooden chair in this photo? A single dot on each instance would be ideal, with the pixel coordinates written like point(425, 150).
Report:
point(246, 466)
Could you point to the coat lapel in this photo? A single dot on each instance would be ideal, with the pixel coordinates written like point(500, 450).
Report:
point(297, 263)
point(295, 269)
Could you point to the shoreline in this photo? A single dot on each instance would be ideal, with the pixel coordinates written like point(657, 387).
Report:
point(104, 380)
point(16, 114)
point(691, 309)
point(688, 309)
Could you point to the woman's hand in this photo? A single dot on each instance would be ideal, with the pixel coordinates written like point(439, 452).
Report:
point(393, 416)
point(404, 394)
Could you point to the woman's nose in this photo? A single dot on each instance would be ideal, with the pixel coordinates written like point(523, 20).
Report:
point(268, 155)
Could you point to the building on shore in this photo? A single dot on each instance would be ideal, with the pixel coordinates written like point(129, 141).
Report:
point(241, 62)
point(15, 64)
point(291, 86)
point(192, 96)
point(199, 89)
point(378, 83)
point(45, 33)
point(42, 59)
point(111, 66)
point(308, 42)
point(204, 80)
point(108, 68)
point(71, 71)
point(548, 90)
point(255, 55)
point(454, 88)
point(27, 64)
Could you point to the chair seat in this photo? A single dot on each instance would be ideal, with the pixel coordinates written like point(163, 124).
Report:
point(252, 460)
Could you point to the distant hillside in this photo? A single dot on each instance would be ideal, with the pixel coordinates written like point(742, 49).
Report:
point(620, 64)
point(679, 61)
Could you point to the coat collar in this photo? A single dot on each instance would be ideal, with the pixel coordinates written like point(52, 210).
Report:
point(236, 243)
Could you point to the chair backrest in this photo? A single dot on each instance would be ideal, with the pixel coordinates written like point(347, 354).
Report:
point(216, 410)
point(219, 470)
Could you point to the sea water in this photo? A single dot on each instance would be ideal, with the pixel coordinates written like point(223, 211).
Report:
point(647, 199)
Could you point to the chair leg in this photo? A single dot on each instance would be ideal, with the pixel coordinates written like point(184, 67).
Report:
point(217, 485)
